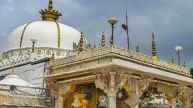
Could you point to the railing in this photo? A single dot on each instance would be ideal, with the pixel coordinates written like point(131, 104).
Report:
point(24, 96)
point(20, 56)
point(7, 100)
point(131, 55)
point(27, 91)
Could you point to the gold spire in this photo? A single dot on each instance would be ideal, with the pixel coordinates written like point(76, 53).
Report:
point(102, 42)
point(153, 48)
point(50, 14)
point(81, 42)
point(50, 5)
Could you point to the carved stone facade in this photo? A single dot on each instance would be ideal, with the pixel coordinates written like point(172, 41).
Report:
point(116, 78)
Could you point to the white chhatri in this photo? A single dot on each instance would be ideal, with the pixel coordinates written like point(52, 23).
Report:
point(13, 79)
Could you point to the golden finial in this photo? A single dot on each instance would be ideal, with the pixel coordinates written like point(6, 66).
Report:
point(153, 48)
point(81, 42)
point(50, 5)
point(102, 42)
point(50, 14)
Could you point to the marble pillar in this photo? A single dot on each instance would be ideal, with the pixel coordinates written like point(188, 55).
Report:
point(110, 83)
point(112, 100)
point(60, 99)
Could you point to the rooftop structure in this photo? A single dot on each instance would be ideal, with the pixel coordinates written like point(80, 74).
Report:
point(104, 72)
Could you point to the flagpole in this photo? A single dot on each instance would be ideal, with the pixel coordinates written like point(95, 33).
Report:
point(126, 28)
point(127, 32)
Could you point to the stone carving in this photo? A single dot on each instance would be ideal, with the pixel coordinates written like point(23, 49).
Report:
point(110, 83)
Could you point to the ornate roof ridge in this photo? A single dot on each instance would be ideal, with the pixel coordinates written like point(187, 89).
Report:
point(123, 53)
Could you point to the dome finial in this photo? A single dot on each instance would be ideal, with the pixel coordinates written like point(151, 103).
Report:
point(50, 5)
point(50, 14)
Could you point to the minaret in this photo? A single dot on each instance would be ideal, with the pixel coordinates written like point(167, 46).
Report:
point(50, 14)
point(153, 48)
point(81, 42)
point(102, 42)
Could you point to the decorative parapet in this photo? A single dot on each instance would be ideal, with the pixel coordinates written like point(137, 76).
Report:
point(122, 54)
point(24, 96)
point(24, 55)
point(23, 101)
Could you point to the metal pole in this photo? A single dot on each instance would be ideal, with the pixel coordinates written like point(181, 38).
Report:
point(33, 46)
point(112, 21)
point(127, 32)
point(128, 39)
point(112, 37)
point(178, 55)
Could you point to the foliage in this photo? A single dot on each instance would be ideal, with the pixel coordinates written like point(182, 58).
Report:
point(191, 71)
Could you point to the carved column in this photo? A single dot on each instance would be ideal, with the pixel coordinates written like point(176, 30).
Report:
point(112, 100)
point(141, 87)
point(112, 90)
point(110, 83)
point(60, 98)
point(185, 96)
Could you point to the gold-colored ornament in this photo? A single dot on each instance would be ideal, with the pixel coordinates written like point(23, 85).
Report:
point(50, 14)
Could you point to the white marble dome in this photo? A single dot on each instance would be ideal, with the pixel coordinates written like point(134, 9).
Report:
point(47, 34)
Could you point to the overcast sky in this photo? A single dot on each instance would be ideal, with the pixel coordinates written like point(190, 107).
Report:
point(172, 20)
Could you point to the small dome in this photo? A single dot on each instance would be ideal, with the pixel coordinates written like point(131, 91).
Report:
point(47, 34)
point(15, 80)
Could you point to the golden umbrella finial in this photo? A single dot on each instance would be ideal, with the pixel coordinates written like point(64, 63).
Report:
point(50, 14)
point(50, 5)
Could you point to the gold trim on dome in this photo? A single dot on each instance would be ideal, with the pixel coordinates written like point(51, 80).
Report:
point(58, 35)
point(22, 34)
point(50, 14)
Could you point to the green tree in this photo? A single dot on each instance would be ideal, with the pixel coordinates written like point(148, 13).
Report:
point(191, 71)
